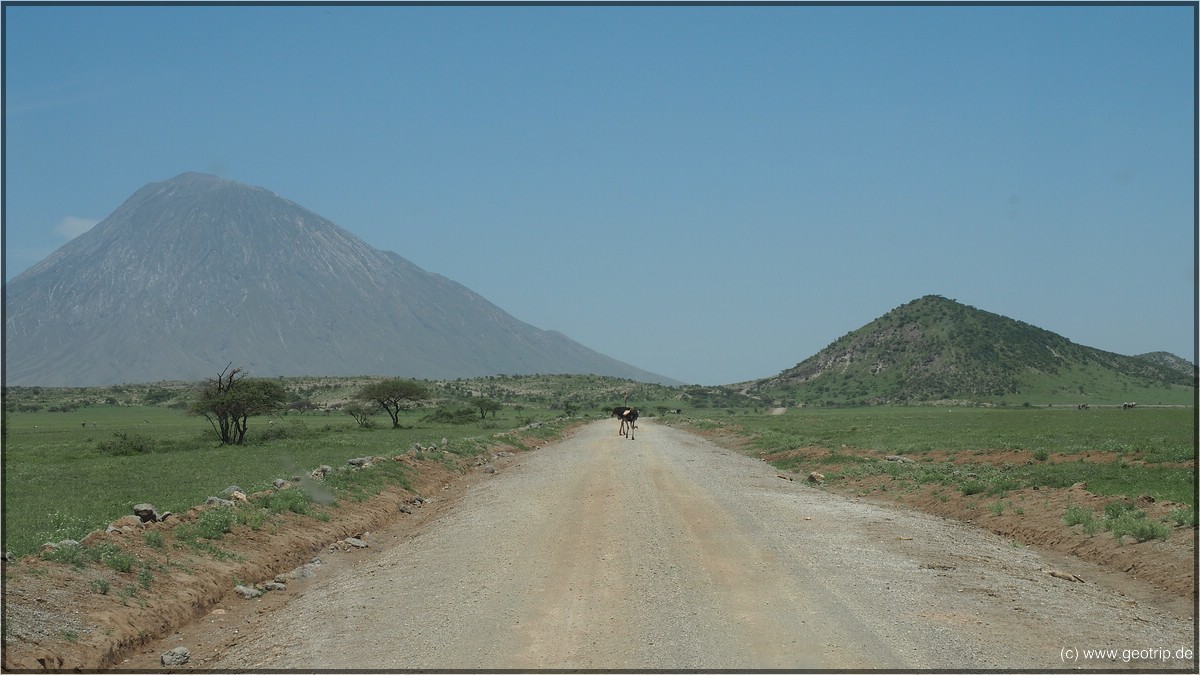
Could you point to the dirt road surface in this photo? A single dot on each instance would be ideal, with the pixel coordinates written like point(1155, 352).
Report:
point(671, 553)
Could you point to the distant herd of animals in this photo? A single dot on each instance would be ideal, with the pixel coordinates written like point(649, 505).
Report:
point(628, 417)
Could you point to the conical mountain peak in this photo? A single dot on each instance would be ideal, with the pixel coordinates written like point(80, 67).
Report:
point(197, 271)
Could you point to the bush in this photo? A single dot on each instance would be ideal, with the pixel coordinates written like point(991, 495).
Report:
point(272, 432)
point(450, 415)
point(254, 518)
point(1002, 484)
point(1116, 509)
point(127, 444)
point(1184, 516)
point(1077, 515)
point(972, 487)
point(292, 499)
point(1135, 524)
point(215, 523)
point(1122, 519)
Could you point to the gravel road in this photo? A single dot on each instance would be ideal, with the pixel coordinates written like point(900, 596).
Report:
point(671, 553)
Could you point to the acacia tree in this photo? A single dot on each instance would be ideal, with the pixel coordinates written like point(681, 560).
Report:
point(360, 413)
point(393, 395)
point(485, 406)
point(228, 400)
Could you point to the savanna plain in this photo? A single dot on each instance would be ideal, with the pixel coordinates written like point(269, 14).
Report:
point(724, 536)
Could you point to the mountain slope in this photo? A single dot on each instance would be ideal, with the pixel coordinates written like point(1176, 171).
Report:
point(1171, 361)
point(938, 349)
point(195, 272)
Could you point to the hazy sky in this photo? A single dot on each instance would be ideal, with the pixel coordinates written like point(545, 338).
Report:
point(710, 193)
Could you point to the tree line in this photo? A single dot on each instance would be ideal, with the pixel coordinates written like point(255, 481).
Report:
point(231, 398)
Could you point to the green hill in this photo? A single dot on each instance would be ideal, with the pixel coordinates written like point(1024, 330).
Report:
point(936, 349)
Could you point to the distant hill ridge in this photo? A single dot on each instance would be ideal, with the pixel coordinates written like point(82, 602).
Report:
point(195, 272)
point(1171, 361)
point(935, 349)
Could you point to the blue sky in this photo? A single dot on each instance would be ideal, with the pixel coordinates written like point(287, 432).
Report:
point(710, 193)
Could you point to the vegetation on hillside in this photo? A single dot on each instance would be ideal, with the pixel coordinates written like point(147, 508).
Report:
point(935, 349)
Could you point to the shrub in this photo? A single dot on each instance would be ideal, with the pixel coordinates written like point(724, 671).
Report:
point(127, 444)
point(361, 414)
point(1135, 524)
point(1002, 484)
point(292, 499)
point(972, 487)
point(187, 533)
point(214, 523)
point(1184, 516)
point(254, 518)
point(1077, 515)
point(1115, 509)
point(450, 415)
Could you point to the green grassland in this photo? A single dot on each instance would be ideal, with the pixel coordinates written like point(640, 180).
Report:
point(68, 473)
point(76, 459)
point(1153, 449)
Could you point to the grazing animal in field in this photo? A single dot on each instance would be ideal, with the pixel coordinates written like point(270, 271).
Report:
point(628, 418)
point(1128, 406)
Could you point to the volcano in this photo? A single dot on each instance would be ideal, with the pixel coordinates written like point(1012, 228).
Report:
point(197, 272)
